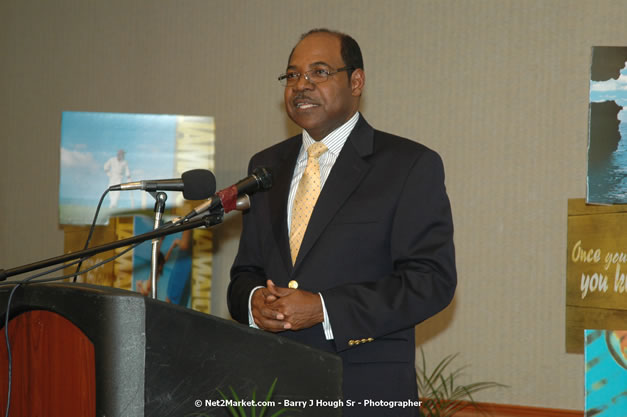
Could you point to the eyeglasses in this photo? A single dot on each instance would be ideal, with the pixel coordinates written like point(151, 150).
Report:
point(314, 76)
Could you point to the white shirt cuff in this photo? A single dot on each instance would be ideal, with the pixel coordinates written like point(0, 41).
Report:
point(326, 324)
point(251, 319)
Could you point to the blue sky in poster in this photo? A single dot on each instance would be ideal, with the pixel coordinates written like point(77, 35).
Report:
point(88, 140)
point(611, 89)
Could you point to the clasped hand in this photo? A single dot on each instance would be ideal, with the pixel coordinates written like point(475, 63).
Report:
point(276, 309)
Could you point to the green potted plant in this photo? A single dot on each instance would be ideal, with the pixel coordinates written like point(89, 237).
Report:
point(252, 411)
point(440, 392)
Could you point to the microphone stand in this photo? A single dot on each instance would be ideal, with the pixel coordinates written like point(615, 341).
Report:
point(207, 221)
point(160, 199)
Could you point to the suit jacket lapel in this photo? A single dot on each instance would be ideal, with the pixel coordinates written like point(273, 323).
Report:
point(347, 173)
point(282, 179)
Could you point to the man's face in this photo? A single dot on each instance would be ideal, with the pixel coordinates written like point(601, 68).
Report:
point(120, 155)
point(321, 108)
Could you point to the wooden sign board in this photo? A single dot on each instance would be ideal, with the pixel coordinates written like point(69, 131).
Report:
point(596, 270)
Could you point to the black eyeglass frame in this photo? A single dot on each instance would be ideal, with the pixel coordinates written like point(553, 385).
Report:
point(283, 78)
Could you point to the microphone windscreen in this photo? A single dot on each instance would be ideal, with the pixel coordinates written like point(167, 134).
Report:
point(265, 177)
point(199, 184)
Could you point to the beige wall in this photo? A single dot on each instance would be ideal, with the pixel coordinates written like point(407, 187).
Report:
point(499, 88)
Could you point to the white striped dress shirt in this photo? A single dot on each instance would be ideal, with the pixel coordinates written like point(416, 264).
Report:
point(334, 141)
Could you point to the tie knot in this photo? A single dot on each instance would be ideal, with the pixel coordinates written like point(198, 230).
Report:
point(317, 149)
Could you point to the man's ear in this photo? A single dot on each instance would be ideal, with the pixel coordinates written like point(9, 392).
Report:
point(358, 81)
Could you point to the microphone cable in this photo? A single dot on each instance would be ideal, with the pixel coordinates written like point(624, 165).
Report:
point(32, 280)
point(195, 177)
point(91, 232)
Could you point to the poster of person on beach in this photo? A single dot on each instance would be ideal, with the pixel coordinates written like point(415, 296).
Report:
point(99, 150)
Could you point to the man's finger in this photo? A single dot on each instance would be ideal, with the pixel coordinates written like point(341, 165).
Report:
point(270, 324)
point(268, 313)
point(270, 298)
point(278, 291)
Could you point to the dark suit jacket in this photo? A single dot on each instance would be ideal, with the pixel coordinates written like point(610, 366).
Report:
point(378, 247)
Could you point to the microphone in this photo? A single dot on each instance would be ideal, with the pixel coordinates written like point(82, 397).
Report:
point(259, 180)
point(196, 184)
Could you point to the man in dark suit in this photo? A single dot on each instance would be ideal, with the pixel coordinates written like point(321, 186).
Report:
point(374, 256)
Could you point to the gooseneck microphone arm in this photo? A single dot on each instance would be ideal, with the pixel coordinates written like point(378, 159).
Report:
point(207, 221)
point(160, 200)
point(228, 199)
point(233, 198)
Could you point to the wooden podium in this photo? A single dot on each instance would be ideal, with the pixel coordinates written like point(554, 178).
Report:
point(84, 350)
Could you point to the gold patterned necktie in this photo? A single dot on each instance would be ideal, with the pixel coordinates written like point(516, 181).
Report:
point(306, 197)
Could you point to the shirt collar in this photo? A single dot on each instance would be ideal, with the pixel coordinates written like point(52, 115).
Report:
point(335, 140)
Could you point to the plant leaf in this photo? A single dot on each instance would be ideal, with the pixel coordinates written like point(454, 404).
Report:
point(268, 396)
point(444, 396)
point(230, 407)
point(236, 398)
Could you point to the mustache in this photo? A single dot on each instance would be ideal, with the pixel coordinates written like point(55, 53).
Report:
point(301, 96)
